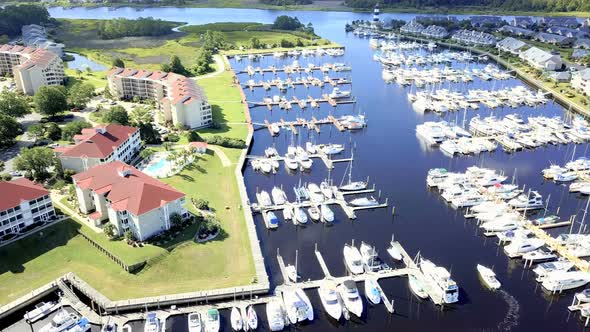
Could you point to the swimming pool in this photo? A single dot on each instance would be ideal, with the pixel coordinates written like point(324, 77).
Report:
point(157, 167)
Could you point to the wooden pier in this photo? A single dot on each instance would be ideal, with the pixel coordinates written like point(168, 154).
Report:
point(315, 101)
point(329, 163)
point(306, 82)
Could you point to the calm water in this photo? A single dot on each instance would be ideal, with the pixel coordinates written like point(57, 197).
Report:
point(390, 153)
point(81, 62)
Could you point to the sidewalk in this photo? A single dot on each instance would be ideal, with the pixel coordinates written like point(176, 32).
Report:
point(56, 198)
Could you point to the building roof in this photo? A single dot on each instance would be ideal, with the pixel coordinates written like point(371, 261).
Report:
point(516, 30)
point(198, 145)
point(126, 188)
point(32, 56)
point(98, 142)
point(511, 44)
point(12, 193)
point(584, 75)
point(552, 38)
point(538, 55)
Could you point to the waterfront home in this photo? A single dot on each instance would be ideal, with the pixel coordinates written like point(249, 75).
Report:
point(579, 53)
point(541, 59)
point(128, 198)
point(23, 203)
point(560, 76)
point(435, 18)
point(581, 81)
point(198, 147)
point(472, 37)
point(483, 20)
point(435, 31)
point(567, 32)
point(522, 22)
point(550, 38)
point(412, 28)
point(31, 67)
point(564, 21)
point(511, 45)
point(516, 31)
point(180, 99)
point(99, 145)
point(582, 43)
point(35, 35)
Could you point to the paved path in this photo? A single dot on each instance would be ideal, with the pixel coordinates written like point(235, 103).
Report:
point(220, 68)
point(219, 152)
point(56, 198)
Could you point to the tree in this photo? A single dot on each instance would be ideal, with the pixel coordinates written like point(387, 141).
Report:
point(201, 204)
point(141, 114)
point(203, 61)
point(285, 22)
point(129, 236)
point(53, 131)
point(146, 153)
point(13, 105)
point(109, 230)
point(175, 66)
point(51, 100)
point(74, 128)
point(255, 43)
point(36, 130)
point(117, 114)
point(88, 70)
point(80, 94)
point(78, 72)
point(148, 134)
point(35, 161)
point(118, 62)
point(175, 220)
point(9, 130)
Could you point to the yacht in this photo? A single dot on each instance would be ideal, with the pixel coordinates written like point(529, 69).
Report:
point(274, 128)
point(291, 272)
point(439, 277)
point(274, 314)
point(195, 323)
point(560, 281)
point(565, 176)
point(326, 189)
point(417, 287)
point(350, 297)
point(41, 310)
point(264, 198)
point(547, 220)
point(542, 270)
point(152, 323)
point(212, 322)
point(539, 255)
point(521, 246)
point(353, 259)
point(583, 296)
point(237, 323)
point(394, 252)
point(579, 186)
point(297, 305)
point(327, 213)
point(299, 215)
point(364, 201)
point(251, 318)
point(339, 94)
point(315, 193)
point(488, 276)
point(501, 225)
point(60, 322)
point(291, 161)
point(303, 158)
point(329, 297)
point(278, 196)
point(273, 221)
point(314, 213)
point(371, 260)
point(431, 132)
point(580, 249)
point(530, 201)
point(331, 149)
point(372, 290)
point(468, 200)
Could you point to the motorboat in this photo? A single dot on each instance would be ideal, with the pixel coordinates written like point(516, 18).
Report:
point(565, 176)
point(583, 296)
point(372, 290)
point(327, 213)
point(579, 186)
point(332, 149)
point(560, 281)
point(41, 310)
point(303, 158)
point(264, 198)
point(251, 318)
point(371, 260)
point(501, 225)
point(62, 321)
point(521, 246)
point(291, 272)
point(195, 324)
point(297, 305)
point(314, 213)
point(291, 161)
point(364, 201)
point(83, 325)
point(542, 270)
point(353, 259)
point(431, 132)
point(530, 201)
point(539, 255)
point(329, 297)
point(111, 326)
point(237, 323)
point(275, 129)
point(350, 297)
point(326, 189)
point(273, 221)
point(271, 152)
point(299, 215)
point(152, 323)
point(488, 276)
point(417, 287)
point(275, 314)
point(310, 148)
point(339, 94)
point(440, 278)
point(552, 171)
point(278, 196)
point(394, 252)
point(511, 235)
point(315, 193)
point(547, 220)
point(212, 324)
point(467, 200)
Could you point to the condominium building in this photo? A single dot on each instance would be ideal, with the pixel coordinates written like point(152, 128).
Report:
point(31, 67)
point(412, 28)
point(516, 31)
point(511, 45)
point(472, 37)
point(100, 145)
point(553, 39)
point(35, 35)
point(129, 199)
point(581, 81)
point(23, 203)
point(182, 101)
point(435, 31)
point(541, 59)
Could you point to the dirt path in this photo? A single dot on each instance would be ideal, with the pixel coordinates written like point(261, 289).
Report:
point(220, 68)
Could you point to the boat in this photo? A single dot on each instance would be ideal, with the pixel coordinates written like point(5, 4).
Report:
point(327, 213)
point(548, 220)
point(565, 176)
point(416, 287)
point(539, 255)
point(212, 323)
point(353, 185)
point(273, 221)
point(291, 272)
point(291, 161)
point(549, 173)
point(264, 198)
point(315, 193)
point(372, 290)
point(278, 196)
point(251, 318)
point(310, 148)
point(542, 270)
point(501, 225)
point(60, 322)
point(559, 281)
point(237, 323)
point(111, 326)
point(152, 323)
point(339, 94)
point(270, 152)
point(353, 259)
point(195, 323)
point(371, 260)
point(331, 149)
point(440, 278)
point(297, 305)
point(41, 310)
point(488, 276)
point(314, 213)
point(275, 314)
point(583, 296)
point(326, 189)
point(83, 325)
point(329, 297)
point(364, 201)
point(350, 297)
point(299, 215)
point(394, 252)
point(521, 246)
point(530, 201)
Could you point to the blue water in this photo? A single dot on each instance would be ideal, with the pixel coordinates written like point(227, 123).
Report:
point(81, 62)
point(155, 168)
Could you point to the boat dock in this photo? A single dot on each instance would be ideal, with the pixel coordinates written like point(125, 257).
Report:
point(322, 156)
point(294, 69)
point(287, 104)
point(306, 82)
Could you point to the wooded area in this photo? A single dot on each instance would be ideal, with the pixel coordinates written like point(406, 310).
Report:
point(12, 18)
point(143, 26)
point(508, 5)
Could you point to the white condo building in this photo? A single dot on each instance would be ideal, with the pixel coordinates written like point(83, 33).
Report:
point(581, 81)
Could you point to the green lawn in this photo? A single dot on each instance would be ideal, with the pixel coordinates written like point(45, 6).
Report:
point(97, 78)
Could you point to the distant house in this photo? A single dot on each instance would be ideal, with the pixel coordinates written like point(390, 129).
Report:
point(412, 28)
point(483, 20)
point(435, 31)
point(128, 198)
point(198, 147)
point(35, 36)
point(522, 22)
point(541, 59)
point(99, 145)
point(566, 32)
point(472, 37)
point(552, 39)
point(435, 18)
point(581, 81)
point(516, 31)
point(582, 43)
point(511, 45)
point(564, 21)
point(579, 53)
point(560, 76)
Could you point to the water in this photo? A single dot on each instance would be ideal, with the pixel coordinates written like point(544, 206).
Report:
point(81, 62)
point(390, 153)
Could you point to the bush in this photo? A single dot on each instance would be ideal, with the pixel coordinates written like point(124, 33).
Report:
point(226, 142)
point(6, 177)
point(53, 131)
point(193, 136)
point(129, 236)
point(201, 204)
point(176, 220)
point(173, 138)
point(109, 231)
point(209, 226)
point(286, 43)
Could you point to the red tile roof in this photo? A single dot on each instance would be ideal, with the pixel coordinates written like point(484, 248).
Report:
point(92, 144)
point(197, 145)
point(33, 56)
point(12, 193)
point(127, 188)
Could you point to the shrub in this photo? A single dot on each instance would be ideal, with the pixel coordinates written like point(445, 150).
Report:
point(129, 236)
point(193, 136)
point(286, 43)
point(173, 138)
point(176, 220)
point(109, 231)
point(226, 142)
point(201, 204)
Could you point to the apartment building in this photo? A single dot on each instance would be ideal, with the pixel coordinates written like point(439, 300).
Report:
point(181, 100)
point(23, 203)
point(511, 45)
point(129, 199)
point(541, 59)
point(100, 145)
point(581, 81)
point(31, 67)
point(36, 36)
point(472, 37)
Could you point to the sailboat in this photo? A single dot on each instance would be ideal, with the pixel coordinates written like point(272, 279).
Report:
point(237, 322)
point(352, 185)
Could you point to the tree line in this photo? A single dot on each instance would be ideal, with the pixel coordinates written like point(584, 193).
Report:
point(508, 5)
point(13, 17)
point(143, 26)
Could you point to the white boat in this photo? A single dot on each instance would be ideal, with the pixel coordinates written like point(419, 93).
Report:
point(291, 272)
point(339, 94)
point(195, 324)
point(353, 259)
point(314, 213)
point(416, 287)
point(394, 252)
point(251, 318)
point(326, 189)
point(350, 297)
point(297, 305)
point(488, 276)
point(212, 323)
point(83, 325)
point(583, 296)
point(560, 281)
point(352, 186)
point(299, 215)
point(270, 152)
point(331, 149)
point(372, 290)
point(565, 176)
point(278, 196)
point(440, 278)
point(327, 213)
point(111, 326)
point(275, 314)
point(521, 246)
point(364, 201)
point(533, 200)
point(549, 173)
point(310, 148)
point(431, 132)
point(291, 161)
point(264, 198)
point(237, 323)
point(542, 270)
point(539, 255)
point(501, 225)
point(315, 193)
point(371, 260)
point(152, 323)
point(329, 298)
point(273, 221)
point(41, 310)
point(60, 322)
